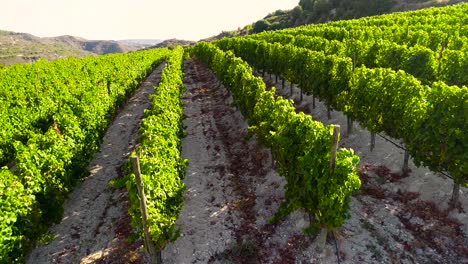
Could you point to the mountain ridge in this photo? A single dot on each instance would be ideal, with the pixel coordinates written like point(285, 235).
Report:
point(17, 47)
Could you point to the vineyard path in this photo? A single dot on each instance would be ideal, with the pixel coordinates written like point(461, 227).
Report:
point(232, 186)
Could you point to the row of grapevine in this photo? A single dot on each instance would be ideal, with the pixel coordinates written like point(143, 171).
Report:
point(427, 36)
point(34, 95)
point(53, 116)
point(428, 16)
point(162, 166)
point(450, 66)
point(431, 121)
point(300, 145)
point(429, 28)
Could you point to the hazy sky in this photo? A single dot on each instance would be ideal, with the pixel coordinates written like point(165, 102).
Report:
point(123, 19)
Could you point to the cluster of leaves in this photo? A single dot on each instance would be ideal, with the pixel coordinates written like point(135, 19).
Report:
point(15, 203)
point(53, 117)
point(162, 166)
point(300, 145)
point(450, 66)
point(428, 27)
point(431, 44)
point(325, 76)
point(380, 99)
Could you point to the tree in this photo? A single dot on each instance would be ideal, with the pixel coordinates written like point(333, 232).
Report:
point(275, 26)
point(296, 13)
point(307, 4)
point(260, 26)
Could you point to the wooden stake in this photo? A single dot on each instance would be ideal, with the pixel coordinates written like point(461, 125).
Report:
point(276, 78)
point(334, 147)
point(328, 112)
point(455, 194)
point(372, 141)
point(350, 125)
point(282, 86)
point(441, 53)
point(354, 61)
point(322, 239)
point(290, 89)
point(144, 213)
point(159, 257)
point(272, 159)
point(405, 163)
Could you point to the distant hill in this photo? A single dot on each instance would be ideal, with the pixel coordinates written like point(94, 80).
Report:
point(170, 43)
point(26, 48)
point(140, 43)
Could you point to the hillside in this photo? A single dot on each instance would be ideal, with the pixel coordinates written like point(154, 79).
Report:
point(26, 48)
point(321, 11)
point(171, 43)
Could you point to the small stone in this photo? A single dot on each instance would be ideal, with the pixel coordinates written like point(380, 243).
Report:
point(419, 252)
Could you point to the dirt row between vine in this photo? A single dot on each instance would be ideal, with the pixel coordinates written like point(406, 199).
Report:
point(95, 223)
point(232, 188)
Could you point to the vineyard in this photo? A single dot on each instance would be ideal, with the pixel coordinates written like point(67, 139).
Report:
point(345, 141)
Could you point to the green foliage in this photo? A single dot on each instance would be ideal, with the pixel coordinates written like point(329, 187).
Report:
point(277, 13)
point(385, 100)
point(162, 166)
point(325, 10)
point(16, 203)
point(307, 4)
point(430, 44)
point(440, 141)
point(358, 8)
point(260, 26)
point(247, 28)
point(52, 124)
point(421, 63)
point(296, 12)
point(381, 99)
point(454, 67)
point(301, 146)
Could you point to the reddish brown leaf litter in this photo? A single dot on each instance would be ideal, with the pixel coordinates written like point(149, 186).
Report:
point(434, 233)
